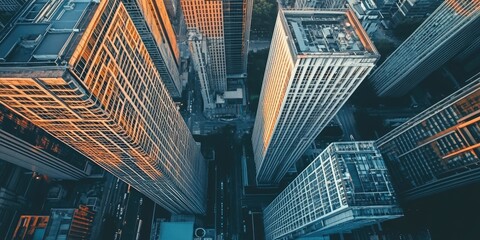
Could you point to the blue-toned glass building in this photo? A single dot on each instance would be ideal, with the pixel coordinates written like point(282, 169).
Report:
point(346, 187)
point(439, 148)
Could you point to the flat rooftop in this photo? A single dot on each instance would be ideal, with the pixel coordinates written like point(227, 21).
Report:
point(176, 231)
point(324, 31)
point(43, 31)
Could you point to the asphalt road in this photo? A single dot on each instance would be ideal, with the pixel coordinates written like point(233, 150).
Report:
point(114, 205)
point(228, 215)
point(347, 122)
point(138, 217)
point(127, 214)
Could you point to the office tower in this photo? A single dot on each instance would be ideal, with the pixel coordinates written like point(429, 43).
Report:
point(28, 146)
point(226, 27)
point(80, 71)
point(153, 25)
point(449, 30)
point(30, 227)
point(305, 4)
point(401, 10)
point(237, 17)
point(413, 11)
point(346, 187)
point(206, 18)
point(317, 59)
point(69, 223)
point(199, 53)
point(438, 149)
point(368, 14)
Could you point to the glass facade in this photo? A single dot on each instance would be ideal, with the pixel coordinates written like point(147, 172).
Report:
point(414, 10)
point(226, 27)
point(206, 18)
point(198, 48)
point(101, 93)
point(346, 187)
point(52, 158)
point(152, 23)
point(449, 30)
point(8, 8)
point(306, 82)
point(235, 30)
point(439, 148)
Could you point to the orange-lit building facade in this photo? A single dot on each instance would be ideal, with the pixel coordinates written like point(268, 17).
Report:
point(30, 227)
point(439, 148)
point(80, 70)
point(155, 29)
point(317, 59)
point(205, 17)
point(226, 27)
point(69, 223)
point(28, 146)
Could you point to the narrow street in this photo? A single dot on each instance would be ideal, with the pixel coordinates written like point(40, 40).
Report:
point(228, 214)
point(347, 122)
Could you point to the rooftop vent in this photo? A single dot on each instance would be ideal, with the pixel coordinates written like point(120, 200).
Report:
point(69, 6)
point(30, 41)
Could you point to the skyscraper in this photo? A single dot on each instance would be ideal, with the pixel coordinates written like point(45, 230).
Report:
point(79, 70)
point(200, 58)
point(236, 26)
point(206, 18)
point(226, 27)
point(28, 146)
point(317, 59)
point(402, 10)
point(346, 187)
point(439, 148)
point(153, 25)
point(411, 11)
point(449, 30)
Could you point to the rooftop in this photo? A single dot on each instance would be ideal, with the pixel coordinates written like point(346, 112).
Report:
point(323, 31)
point(176, 231)
point(237, 94)
point(43, 31)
